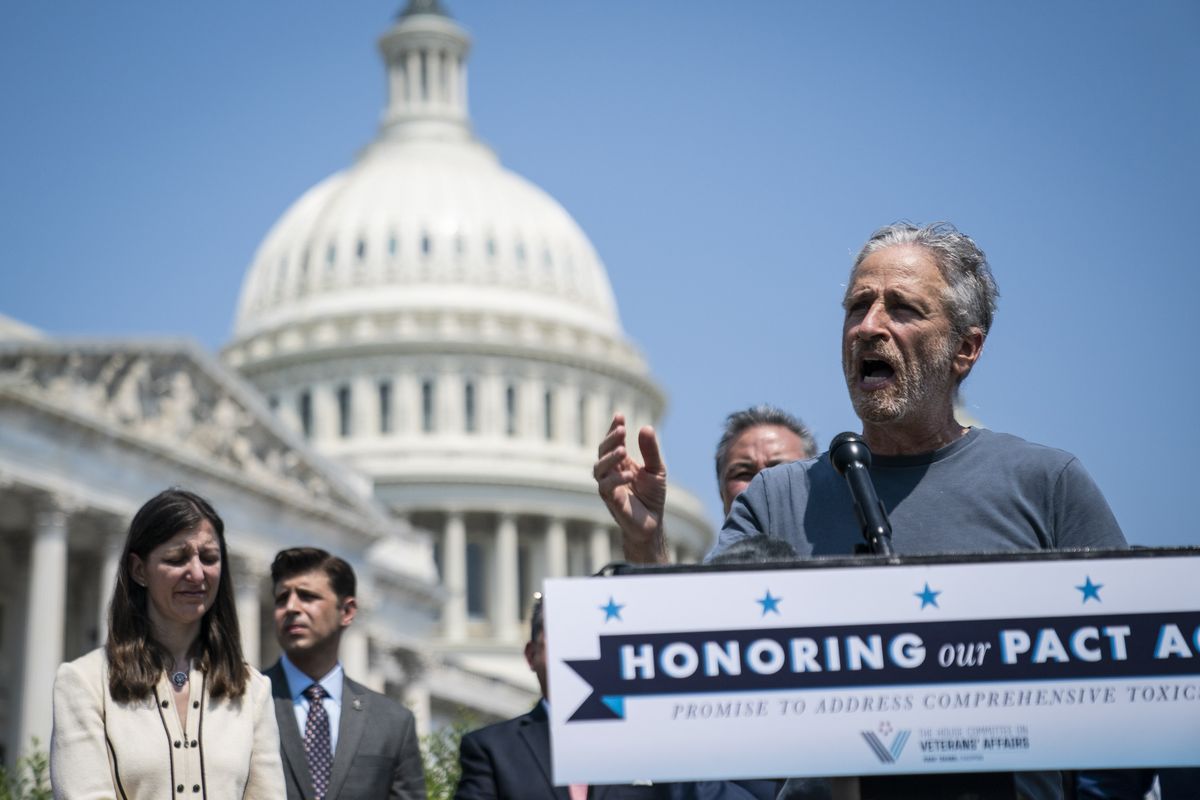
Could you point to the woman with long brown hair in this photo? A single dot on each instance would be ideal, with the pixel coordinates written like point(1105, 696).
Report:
point(168, 707)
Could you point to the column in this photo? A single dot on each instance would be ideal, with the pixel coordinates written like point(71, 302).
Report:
point(556, 548)
point(416, 690)
point(433, 62)
point(110, 561)
point(324, 410)
point(490, 394)
point(529, 408)
point(412, 69)
point(407, 403)
point(463, 102)
point(599, 419)
point(452, 83)
point(600, 547)
point(416, 697)
point(454, 577)
point(287, 411)
point(247, 583)
point(354, 652)
point(505, 609)
point(46, 603)
point(450, 401)
point(364, 407)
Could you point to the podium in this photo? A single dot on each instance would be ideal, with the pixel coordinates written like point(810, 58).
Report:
point(948, 670)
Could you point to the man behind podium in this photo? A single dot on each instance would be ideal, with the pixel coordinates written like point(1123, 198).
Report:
point(339, 739)
point(511, 760)
point(917, 309)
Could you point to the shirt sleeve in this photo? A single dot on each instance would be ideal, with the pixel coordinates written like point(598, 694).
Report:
point(748, 516)
point(1082, 518)
point(79, 766)
point(265, 781)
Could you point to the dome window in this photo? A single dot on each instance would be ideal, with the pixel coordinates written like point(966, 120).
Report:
point(343, 404)
point(520, 254)
point(304, 410)
point(476, 576)
point(331, 255)
point(510, 410)
point(304, 262)
point(360, 249)
point(491, 248)
point(392, 246)
point(470, 417)
point(460, 245)
point(581, 421)
point(548, 414)
point(385, 406)
point(426, 244)
point(428, 419)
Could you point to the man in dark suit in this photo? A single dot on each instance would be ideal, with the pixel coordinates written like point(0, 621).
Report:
point(511, 760)
point(338, 738)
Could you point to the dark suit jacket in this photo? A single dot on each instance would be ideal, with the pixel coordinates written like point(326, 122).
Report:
point(377, 754)
point(511, 761)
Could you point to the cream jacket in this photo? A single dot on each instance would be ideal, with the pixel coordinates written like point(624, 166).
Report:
point(104, 750)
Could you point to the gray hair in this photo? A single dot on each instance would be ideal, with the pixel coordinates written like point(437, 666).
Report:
point(971, 299)
point(763, 414)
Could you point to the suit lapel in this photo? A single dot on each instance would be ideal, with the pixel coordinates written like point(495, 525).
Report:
point(355, 709)
point(290, 741)
point(535, 732)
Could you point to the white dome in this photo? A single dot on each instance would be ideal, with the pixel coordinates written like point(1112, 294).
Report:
point(419, 224)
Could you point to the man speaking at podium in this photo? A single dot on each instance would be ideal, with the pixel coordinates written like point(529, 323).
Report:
point(918, 308)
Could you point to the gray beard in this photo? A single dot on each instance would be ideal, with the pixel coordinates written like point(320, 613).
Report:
point(926, 377)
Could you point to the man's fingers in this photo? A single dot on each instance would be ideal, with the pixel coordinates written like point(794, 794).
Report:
point(611, 440)
point(651, 457)
point(607, 462)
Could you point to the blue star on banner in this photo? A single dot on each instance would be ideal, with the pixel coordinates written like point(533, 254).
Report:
point(612, 610)
point(769, 603)
point(1091, 591)
point(928, 597)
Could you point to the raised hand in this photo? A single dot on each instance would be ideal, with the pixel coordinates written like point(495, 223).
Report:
point(634, 493)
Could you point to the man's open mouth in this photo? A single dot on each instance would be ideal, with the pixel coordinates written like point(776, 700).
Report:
point(875, 372)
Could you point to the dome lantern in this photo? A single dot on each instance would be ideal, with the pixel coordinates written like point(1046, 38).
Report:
point(425, 54)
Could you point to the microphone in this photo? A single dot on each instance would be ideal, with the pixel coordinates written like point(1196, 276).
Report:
point(851, 457)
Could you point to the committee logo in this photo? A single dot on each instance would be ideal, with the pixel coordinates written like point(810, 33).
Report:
point(887, 745)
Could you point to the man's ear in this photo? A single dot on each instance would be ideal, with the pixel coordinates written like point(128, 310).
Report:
point(970, 348)
point(349, 609)
point(529, 653)
point(137, 570)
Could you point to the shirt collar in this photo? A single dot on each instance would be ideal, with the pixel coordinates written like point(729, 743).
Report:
point(297, 681)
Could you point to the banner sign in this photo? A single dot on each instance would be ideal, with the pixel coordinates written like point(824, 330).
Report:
point(856, 670)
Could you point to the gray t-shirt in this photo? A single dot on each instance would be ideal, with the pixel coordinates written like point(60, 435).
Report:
point(986, 492)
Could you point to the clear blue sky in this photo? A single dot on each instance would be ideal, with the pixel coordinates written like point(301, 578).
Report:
point(726, 160)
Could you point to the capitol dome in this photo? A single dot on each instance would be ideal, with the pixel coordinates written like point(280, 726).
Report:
point(443, 326)
point(427, 224)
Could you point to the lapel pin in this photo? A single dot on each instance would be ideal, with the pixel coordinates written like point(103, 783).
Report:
point(357, 704)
